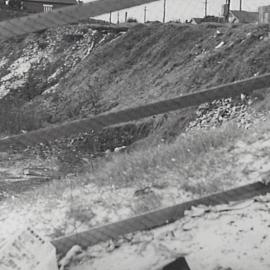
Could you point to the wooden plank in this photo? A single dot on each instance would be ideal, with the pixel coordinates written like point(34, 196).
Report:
point(41, 21)
point(178, 264)
point(104, 120)
point(155, 218)
point(112, 28)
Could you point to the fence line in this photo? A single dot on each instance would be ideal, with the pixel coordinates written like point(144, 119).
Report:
point(105, 120)
point(155, 218)
point(61, 16)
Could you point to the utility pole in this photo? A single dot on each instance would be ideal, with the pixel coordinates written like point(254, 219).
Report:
point(144, 17)
point(240, 7)
point(205, 7)
point(164, 11)
point(110, 19)
point(126, 15)
point(118, 18)
point(228, 3)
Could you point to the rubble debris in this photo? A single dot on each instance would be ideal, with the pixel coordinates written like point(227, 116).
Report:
point(41, 55)
point(214, 114)
point(41, 172)
point(220, 45)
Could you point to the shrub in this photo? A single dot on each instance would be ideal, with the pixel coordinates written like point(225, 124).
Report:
point(132, 20)
point(15, 4)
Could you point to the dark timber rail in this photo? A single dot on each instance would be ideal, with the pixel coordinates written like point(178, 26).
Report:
point(155, 218)
point(104, 120)
point(41, 21)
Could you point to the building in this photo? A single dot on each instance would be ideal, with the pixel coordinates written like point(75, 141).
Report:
point(207, 19)
point(46, 5)
point(264, 14)
point(234, 16)
point(195, 20)
point(237, 16)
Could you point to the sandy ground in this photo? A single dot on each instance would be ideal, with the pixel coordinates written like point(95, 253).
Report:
point(226, 237)
point(233, 238)
point(58, 208)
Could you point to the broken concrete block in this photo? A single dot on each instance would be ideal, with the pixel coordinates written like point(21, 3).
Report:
point(27, 251)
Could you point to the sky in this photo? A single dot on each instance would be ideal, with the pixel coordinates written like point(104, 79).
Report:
point(181, 9)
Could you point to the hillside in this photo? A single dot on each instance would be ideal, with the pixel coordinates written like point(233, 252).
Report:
point(157, 61)
point(69, 186)
point(74, 72)
point(32, 66)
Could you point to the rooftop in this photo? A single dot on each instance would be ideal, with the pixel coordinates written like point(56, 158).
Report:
point(246, 16)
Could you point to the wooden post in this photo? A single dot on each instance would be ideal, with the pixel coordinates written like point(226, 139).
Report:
point(228, 3)
point(126, 15)
point(118, 17)
point(229, 8)
point(144, 17)
point(164, 11)
point(205, 8)
point(110, 19)
point(240, 7)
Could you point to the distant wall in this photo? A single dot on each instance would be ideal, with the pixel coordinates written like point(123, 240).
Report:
point(264, 14)
point(36, 6)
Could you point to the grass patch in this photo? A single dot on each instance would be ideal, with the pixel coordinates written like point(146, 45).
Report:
point(178, 158)
point(194, 165)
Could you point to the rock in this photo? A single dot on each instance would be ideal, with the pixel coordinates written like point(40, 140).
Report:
point(36, 171)
point(71, 254)
point(214, 114)
point(143, 191)
point(266, 178)
point(119, 149)
point(196, 211)
point(263, 199)
point(189, 225)
point(220, 45)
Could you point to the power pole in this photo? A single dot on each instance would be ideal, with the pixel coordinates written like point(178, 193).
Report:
point(164, 11)
point(228, 3)
point(126, 15)
point(110, 19)
point(118, 18)
point(144, 17)
point(240, 7)
point(205, 7)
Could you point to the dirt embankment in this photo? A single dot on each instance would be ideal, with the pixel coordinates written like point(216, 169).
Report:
point(73, 71)
point(32, 66)
point(158, 61)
